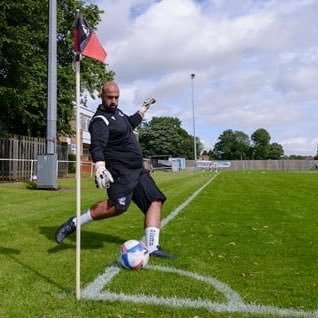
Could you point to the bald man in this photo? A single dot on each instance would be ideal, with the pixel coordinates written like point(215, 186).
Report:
point(119, 168)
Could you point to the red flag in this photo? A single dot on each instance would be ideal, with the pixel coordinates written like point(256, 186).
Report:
point(86, 41)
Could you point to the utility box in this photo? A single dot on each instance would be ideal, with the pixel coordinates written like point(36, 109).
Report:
point(181, 163)
point(47, 171)
point(175, 166)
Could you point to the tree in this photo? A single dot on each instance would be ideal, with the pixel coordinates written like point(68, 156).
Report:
point(164, 136)
point(261, 139)
point(262, 148)
point(232, 145)
point(23, 65)
point(276, 151)
point(211, 154)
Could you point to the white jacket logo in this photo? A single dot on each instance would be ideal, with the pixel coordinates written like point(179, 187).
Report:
point(122, 200)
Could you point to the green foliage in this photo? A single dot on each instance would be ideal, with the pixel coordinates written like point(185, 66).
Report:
point(299, 157)
point(236, 145)
point(164, 136)
point(23, 65)
point(232, 145)
point(261, 139)
point(276, 151)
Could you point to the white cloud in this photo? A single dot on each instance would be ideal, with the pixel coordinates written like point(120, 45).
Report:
point(255, 64)
point(300, 145)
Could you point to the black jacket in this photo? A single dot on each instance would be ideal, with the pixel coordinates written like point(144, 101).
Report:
point(113, 139)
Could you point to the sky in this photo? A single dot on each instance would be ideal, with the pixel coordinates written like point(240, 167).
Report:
point(255, 64)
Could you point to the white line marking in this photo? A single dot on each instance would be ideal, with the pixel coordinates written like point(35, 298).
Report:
point(176, 211)
point(94, 290)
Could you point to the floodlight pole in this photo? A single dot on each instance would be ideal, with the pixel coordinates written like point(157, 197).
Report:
point(193, 117)
point(52, 80)
point(47, 163)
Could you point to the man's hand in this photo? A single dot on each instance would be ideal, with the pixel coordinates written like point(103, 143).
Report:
point(146, 105)
point(102, 176)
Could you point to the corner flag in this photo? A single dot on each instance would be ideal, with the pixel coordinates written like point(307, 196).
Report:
point(86, 41)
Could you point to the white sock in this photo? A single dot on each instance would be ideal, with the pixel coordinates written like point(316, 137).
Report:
point(85, 218)
point(152, 238)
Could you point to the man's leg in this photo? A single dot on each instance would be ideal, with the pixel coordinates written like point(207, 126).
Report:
point(152, 230)
point(153, 214)
point(98, 211)
point(152, 225)
point(104, 210)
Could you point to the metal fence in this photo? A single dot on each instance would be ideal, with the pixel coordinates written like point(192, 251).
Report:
point(18, 157)
point(18, 160)
point(284, 164)
point(273, 164)
point(29, 173)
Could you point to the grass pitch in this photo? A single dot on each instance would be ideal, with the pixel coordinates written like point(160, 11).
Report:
point(254, 231)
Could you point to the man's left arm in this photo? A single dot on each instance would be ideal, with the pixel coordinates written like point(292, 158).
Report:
point(136, 119)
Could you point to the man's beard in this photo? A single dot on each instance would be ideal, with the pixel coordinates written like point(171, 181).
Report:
point(111, 108)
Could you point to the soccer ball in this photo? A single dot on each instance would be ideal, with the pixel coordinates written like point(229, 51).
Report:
point(133, 255)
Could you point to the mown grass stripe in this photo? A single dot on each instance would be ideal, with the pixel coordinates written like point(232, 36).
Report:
point(96, 286)
point(176, 211)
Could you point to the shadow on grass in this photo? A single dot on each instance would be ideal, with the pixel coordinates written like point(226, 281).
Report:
point(89, 240)
point(30, 185)
point(11, 252)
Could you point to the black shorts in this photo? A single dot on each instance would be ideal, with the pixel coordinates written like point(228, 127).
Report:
point(136, 185)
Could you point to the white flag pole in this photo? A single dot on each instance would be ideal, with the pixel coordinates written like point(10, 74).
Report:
point(78, 179)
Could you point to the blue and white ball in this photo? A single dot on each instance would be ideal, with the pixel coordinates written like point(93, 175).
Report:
point(134, 255)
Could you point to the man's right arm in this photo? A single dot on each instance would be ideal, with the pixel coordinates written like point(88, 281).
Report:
point(99, 136)
point(99, 132)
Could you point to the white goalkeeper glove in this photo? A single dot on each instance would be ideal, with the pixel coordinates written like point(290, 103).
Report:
point(103, 177)
point(146, 105)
